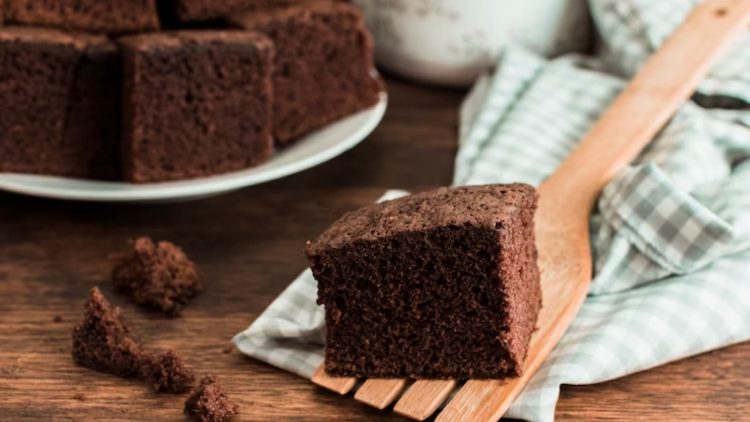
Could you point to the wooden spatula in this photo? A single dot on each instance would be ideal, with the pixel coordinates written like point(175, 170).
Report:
point(665, 82)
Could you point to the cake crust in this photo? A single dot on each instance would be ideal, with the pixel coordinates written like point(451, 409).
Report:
point(111, 16)
point(201, 10)
point(442, 284)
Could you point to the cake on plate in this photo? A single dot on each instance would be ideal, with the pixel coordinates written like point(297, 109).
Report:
point(324, 64)
point(196, 103)
point(60, 101)
point(95, 90)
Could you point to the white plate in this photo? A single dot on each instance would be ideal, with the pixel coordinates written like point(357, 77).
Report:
point(311, 150)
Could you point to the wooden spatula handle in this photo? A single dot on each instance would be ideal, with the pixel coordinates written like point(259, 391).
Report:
point(663, 84)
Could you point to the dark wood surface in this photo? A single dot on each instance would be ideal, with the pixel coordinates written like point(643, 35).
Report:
point(249, 247)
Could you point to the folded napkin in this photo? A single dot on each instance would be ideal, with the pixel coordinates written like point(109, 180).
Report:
point(670, 235)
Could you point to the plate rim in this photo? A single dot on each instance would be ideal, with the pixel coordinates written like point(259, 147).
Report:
point(206, 186)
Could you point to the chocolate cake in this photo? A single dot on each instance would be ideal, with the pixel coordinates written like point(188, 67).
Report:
point(441, 284)
point(197, 103)
point(59, 102)
point(169, 374)
point(157, 275)
point(110, 16)
point(209, 402)
point(324, 64)
point(102, 341)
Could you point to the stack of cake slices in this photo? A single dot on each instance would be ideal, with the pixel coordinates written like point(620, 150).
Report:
point(157, 90)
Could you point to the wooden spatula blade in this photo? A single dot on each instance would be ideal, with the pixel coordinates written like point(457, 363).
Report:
point(423, 398)
point(378, 392)
point(341, 385)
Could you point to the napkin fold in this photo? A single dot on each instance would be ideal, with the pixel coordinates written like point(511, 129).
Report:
point(670, 234)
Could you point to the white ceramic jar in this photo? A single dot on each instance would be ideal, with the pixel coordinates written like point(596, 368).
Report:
point(451, 42)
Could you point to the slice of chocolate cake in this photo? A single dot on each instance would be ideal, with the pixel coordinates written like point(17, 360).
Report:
point(60, 103)
point(324, 64)
point(103, 342)
point(157, 275)
point(197, 103)
point(209, 402)
point(110, 16)
point(441, 284)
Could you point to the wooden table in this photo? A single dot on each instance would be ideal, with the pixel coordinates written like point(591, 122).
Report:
point(249, 247)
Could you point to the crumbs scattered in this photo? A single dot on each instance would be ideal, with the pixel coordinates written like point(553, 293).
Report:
point(79, 396)
point(57, 318)
point(227, 350)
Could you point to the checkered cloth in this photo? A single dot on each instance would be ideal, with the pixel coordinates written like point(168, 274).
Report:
point(670, 235)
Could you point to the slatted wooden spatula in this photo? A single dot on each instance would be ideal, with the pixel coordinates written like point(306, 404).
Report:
point(665, 82)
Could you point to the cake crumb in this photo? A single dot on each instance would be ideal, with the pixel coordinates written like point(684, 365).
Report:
point(103, 342)
point(168, 373)
point(57, 318)
point(209, 402)
point(227, 350)
point(79, 396)
point(157, 274)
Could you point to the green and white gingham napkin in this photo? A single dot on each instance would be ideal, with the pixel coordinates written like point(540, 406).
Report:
point(671, 234)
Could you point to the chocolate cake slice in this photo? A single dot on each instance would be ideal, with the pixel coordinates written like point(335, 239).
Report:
point(209, 402)
point(156, 275)
point(107, 16)
point(60, 103)
point(324, 64)
point(441, 284)
point(102, 341)
point(197, 103)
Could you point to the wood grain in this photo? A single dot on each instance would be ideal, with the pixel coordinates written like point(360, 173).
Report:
point(249, 246)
